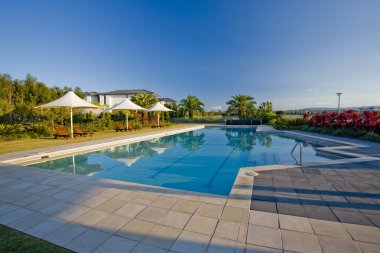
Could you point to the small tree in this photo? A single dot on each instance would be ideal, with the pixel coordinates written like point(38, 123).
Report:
point(243, 105)
point(191, 105)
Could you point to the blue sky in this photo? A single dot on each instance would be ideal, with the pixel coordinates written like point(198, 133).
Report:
point(294, 53)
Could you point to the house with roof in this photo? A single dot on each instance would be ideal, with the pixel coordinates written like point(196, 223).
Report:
point(113, 98)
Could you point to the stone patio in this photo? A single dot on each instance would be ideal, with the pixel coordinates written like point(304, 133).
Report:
point(325, 208)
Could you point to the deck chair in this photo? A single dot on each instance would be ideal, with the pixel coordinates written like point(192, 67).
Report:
point(79, 131)
point(120, 127)
point(60, 131)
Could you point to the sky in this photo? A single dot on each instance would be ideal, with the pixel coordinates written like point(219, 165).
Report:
point(294, 53)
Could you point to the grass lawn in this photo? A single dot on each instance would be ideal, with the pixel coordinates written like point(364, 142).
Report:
point(12, 240)
point(27, 144)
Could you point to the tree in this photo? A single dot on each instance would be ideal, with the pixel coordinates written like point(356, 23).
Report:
point(243, 105)
point(144, 100)
point(191, 105)
point(265, 111)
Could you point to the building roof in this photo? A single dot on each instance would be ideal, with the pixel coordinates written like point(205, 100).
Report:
point(129, 92)
point(168, 100)
point(122, 92)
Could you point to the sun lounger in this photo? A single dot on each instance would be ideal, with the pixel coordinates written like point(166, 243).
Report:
point(120, 128)
point(79, 131)
point(60, 131)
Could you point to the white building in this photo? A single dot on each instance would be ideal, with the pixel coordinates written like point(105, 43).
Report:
point(113, 98)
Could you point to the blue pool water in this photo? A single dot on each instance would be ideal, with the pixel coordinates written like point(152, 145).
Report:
point(205, 160)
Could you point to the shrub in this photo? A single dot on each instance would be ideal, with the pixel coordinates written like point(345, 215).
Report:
point(38, 130)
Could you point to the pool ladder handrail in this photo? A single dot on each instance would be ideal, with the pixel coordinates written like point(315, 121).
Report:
point(295, 146)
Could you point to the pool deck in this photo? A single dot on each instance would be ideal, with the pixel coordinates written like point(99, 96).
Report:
point(87, 214)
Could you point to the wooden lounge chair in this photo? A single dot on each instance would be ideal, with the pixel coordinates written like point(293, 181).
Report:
point(79, 131)
point(120, 128)
point(60, 131)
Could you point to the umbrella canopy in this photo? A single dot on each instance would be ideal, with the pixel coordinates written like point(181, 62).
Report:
point(127, 104)
point(69, 100)
point(158, 107)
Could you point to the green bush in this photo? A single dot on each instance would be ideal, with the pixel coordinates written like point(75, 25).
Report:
point(7, 130)
point(38, 130)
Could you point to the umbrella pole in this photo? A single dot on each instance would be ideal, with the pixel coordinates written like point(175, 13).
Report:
point(71, 122)
point(127, 120)
point(158, 120)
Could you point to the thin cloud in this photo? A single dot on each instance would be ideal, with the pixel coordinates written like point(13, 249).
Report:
point(312, 90)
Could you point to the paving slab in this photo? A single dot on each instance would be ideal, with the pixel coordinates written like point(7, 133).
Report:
point(145, 248)
point(116, 244)
point(264, 236)
point(330, 228)
point(130, 210)
point(300, 242)
point(264, 219)
point(43, 229)
point(201, 224)
point(65, 234)
point(227, 230)
point(190, 242)
point(175, 219)
point(162, 236)
point(295, 223)
point(88, 241)
point(220, 245)
point(363, 233)
point(337, 245)
point(210, 210)
point(135, 229)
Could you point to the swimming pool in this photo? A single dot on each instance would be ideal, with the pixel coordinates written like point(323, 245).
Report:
point(205, 160)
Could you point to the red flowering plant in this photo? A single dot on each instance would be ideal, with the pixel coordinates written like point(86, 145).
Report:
point(350, 119)
point(371, 121)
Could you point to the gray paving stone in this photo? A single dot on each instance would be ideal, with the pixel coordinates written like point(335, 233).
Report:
point(14, 215)
point(28, 221)
point(41, 230)
point(189, 242)
point(330, 228)
point(259, 249)
point(264, 236)
point(352, 217)
point(144, 248)
point(5, 208)
point(295, 223)
point(220, 245)
point(369, 247)
point(162, 236)
point(320, 212)
point(336, 245)
point(116, 244)
point(264, 219)
point(364, 233)
point(65, 234)
point(135, 229)
point(300, 242)
point(88, 241)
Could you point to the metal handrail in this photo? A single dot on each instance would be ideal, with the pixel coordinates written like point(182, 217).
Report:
point(295, 146)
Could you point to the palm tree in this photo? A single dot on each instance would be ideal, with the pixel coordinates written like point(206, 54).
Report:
point(243, 105)
point(191, 104)
point(144, 100)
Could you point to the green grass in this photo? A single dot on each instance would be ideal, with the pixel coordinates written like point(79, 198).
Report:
point(13, 241)
point(28, 144)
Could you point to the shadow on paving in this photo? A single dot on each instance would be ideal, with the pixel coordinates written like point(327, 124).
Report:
point(347, 193)
point(84, 214)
